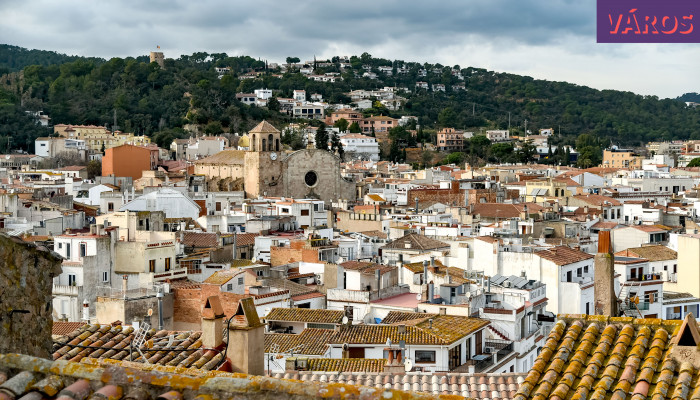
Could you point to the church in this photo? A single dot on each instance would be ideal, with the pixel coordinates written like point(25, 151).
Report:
point(261, 168)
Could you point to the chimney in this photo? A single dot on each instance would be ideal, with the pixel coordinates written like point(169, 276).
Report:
point(100, 229)
point(246, 335)
point(431, 294)
point(93, 229)
point(604, 277)
point(125, 284)
point(212, 323)
point(401, 328)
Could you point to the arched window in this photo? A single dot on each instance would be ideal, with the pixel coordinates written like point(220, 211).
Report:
point(277, 145)
point(253, 142)
point(264, 145)
point(270, 141)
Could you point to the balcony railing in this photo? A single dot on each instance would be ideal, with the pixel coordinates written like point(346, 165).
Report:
point(66, 290)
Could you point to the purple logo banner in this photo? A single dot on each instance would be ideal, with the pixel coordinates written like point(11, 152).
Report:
point(648, 21)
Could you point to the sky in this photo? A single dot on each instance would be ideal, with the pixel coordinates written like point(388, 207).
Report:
point(545, 39)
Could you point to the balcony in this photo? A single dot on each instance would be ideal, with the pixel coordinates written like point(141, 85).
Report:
point(173, 274)
point(66, 290)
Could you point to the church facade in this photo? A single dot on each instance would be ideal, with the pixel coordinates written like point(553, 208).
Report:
point(263, 169)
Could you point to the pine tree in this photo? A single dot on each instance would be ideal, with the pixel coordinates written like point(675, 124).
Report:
point(321, 137)
point(337, 146)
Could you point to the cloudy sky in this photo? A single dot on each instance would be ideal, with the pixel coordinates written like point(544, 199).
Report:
point(547, 39)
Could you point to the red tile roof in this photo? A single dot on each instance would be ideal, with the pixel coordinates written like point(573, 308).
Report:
point(563, 255)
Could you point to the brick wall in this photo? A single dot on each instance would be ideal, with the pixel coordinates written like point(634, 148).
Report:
point(188, 304)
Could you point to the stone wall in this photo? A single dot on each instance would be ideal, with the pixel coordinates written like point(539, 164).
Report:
point(26, 279)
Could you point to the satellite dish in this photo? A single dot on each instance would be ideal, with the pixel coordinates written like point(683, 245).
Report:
point(419, 297)
point(345, 319)
point(408, 365)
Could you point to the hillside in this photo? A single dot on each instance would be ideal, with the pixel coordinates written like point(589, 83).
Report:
point(14, 58)
point(150, 100)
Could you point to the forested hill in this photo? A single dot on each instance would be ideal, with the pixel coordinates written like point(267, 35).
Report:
point(14, 58)
point(158, 101)
point(695, 97)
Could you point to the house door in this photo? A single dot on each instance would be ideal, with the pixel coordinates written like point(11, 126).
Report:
point(455, 355)
point(477, 341)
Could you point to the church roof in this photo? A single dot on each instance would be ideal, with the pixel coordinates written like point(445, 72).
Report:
point(264, 127)
point(224, 157)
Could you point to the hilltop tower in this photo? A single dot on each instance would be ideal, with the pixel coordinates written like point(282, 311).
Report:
point(158, 58)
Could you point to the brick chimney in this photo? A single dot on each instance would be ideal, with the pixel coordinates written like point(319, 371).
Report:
point(604, 277)
point(212, 323)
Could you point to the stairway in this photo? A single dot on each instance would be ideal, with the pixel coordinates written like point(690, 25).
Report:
point(627, 306)
point(498, 333)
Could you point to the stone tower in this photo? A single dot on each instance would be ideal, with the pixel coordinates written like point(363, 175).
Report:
point(158, 58)
point(263, 164)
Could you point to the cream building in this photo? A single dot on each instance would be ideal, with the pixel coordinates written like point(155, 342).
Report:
point(96, 138)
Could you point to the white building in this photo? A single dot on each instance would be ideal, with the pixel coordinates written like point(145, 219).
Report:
point(498, 135)
point(174, 203)
point(361, 147)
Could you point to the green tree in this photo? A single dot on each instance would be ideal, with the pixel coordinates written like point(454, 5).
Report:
point(273, 104)
point(94, 168)
point(337, 146)
point(322, 137)
point(341, 124)
point(355, 127)
point(695, 162)
point(213, 128)
point(292, 60)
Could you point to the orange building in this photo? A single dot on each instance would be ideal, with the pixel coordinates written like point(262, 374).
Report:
point(129, 160)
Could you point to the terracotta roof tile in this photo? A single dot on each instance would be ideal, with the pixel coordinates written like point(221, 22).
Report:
point(119, 337)
point(347, 364)
point(563, 255)
point(651, 253)
point(308, 342)
point(305, 315)
point(414, 241)
point(600, 357)
point(61, 328)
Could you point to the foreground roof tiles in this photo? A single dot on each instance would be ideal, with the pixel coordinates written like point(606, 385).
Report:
point(475, 386)
point(35, 378)
point(597, 357)
point(189, 351)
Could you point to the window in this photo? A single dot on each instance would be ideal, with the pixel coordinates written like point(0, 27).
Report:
point(229, 287)
point(167, 264)
point(83, 249)
point(151, 265)
point(105, 276)
point(304, 212)
point(569, 277)
point(260, 273)
point(71, 280)
point(67, 250)
point(579, 272)
point(60, 245)
point(110, 206)
point(588, 311)
point(585, 269)
point(240, 280)
point(675, 268)
point(218, 206)
point(424, 356)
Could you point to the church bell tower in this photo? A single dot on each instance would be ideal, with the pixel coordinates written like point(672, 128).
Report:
point(263, 166)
